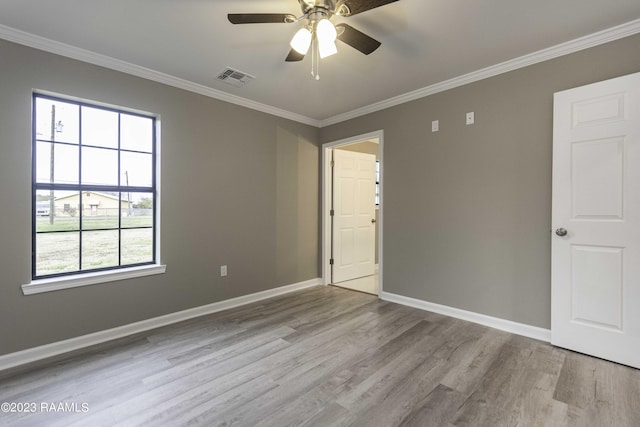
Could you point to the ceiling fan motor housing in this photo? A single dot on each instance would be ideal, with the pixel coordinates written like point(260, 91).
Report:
point(325, 8)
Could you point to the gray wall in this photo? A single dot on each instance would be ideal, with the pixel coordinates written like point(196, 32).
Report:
point(467, 210)
point(239, 187)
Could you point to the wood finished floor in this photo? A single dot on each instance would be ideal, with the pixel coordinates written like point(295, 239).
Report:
point(329, 357)
point(366, 284)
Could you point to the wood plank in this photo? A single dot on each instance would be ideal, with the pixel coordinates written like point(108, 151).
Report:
point(328, 356)
point(437, 409)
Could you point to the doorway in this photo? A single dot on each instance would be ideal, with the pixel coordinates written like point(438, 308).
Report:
point(346, 242)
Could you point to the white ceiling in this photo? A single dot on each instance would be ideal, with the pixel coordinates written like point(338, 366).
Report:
point(424, 42)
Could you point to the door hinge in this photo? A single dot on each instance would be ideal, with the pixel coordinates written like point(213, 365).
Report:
point(332, 212)
point(331, 261)
point(333, 163)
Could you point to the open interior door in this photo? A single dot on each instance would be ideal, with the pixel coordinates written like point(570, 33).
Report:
point(354, 190)
point(596, 220)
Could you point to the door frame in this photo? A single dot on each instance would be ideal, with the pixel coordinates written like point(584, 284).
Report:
point(326, 200)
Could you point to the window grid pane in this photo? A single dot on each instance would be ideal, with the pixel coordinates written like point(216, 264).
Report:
point(95, 210)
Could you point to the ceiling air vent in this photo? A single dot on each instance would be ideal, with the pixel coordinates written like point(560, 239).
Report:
point(234, 77)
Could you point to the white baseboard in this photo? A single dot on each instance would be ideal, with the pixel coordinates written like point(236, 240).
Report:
point(23, 357)
point(482, 319)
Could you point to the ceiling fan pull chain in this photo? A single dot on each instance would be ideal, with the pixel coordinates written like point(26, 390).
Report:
point(314, 66)
point(315, 61)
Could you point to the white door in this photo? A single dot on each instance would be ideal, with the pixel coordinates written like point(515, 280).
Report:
point(354, 192)
point(596, 202)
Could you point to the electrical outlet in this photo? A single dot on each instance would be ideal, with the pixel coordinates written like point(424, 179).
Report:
point(223, 270)
point(471, 118)
point(435, 126)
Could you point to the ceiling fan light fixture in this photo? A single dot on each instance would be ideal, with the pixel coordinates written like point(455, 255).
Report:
point(326, 34)
point(326, 48)
point(319, 34)
point(301, 41)
point(326, 31)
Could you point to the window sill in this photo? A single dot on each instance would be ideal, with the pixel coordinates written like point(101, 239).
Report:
point(58, 283)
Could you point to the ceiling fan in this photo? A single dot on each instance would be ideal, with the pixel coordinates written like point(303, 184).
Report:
point(318, 32)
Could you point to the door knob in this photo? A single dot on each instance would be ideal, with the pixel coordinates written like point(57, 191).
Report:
point(373, 221)
point(561, 232)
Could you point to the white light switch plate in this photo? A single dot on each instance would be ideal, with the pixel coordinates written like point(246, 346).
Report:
point(435, 126)
point(223, 270)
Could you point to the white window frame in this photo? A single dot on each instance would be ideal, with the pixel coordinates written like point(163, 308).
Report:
point(36, 286)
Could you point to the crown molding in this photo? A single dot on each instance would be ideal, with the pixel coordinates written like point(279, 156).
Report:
point(595, 39)
point(48, 45)
point(63, 49)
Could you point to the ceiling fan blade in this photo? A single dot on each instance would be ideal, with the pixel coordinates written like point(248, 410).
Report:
point(259, 18)
point(359, 6)
point(357, 39)
point(294, 56)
